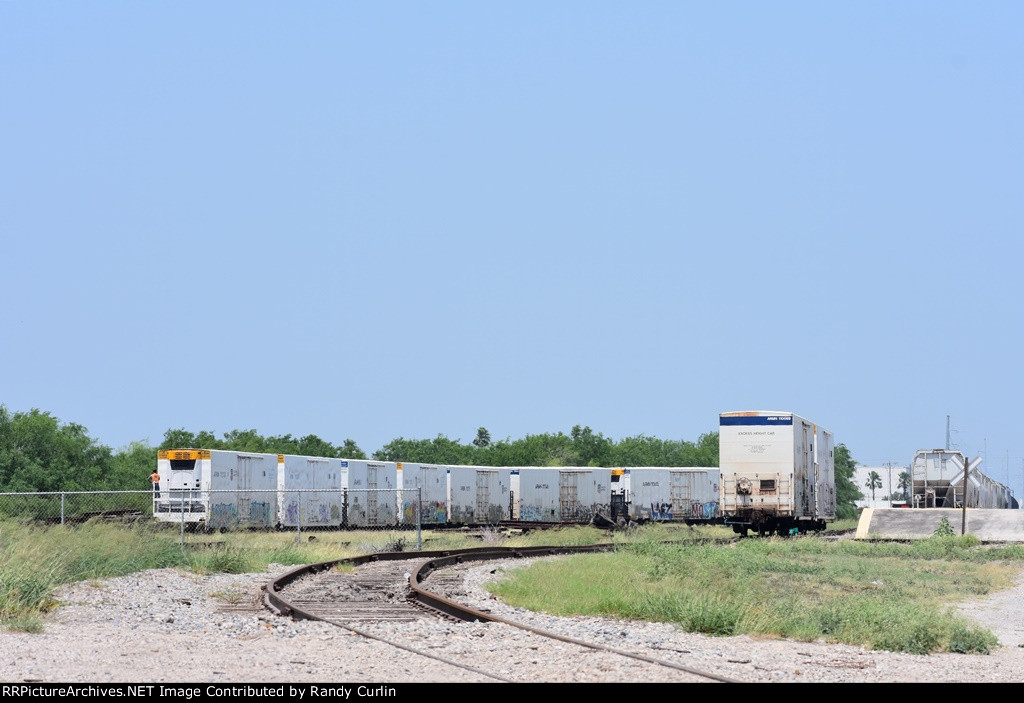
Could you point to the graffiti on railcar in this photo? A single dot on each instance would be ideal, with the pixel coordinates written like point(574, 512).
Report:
point(703, 511)
point(434, 512)
point(259, 513)
point(223, 515)
point(531, 513)
point(661, 511)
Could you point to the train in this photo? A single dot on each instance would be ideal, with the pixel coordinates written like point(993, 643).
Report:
point(777, 473)
point(937, 481)
point(228, 489)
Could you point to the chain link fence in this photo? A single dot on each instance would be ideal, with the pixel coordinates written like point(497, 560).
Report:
point(192, 510)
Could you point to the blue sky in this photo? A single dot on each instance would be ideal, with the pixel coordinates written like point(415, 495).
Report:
point(373, 220)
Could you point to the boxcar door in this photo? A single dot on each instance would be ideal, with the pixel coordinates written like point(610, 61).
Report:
point(681, 494)
point(807, 478)
point(568, 495)
point(246, 466)
point(434, 507)
point(485, 481)
point(371, 497)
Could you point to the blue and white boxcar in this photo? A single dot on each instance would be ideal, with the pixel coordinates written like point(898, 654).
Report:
point(777, 472)
point(310, 491)
point(563, 494)
point(478, 495)
point(425, 482)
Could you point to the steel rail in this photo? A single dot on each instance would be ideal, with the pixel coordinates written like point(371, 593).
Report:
point(465, 612)
point(438, 559)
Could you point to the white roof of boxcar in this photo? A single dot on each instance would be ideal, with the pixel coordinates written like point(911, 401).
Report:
point(770, 414)
point(755, 413)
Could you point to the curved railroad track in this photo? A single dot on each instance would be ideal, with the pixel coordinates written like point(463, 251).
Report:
point(391, 587)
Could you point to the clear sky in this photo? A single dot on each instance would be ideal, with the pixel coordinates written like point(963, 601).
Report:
point(384, 219)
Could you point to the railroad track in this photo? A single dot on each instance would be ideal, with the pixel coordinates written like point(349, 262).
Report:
point(391, 587)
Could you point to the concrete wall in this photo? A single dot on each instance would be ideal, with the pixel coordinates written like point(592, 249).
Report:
point(910, 523)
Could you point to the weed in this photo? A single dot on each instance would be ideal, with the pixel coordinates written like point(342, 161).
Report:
point(233, 596)
point(967, 639)
point(944, 529)
point(492, 535)
point(32, 624)
point(395, 544)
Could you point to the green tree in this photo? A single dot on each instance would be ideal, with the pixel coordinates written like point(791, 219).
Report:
point(846, 491)
point(589, 449)
point(39, 453)
point(439, 450)
point(351, 450)
point(483, 438)
point(639, 451)
point(874, 481)
point(252, 441)
point(706, 451)
point(132, 465)
point(311, 445)
point(245, 441)
point(180, 439)
point(904, 485)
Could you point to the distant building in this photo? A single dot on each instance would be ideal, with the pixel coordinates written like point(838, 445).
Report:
point(885, 474)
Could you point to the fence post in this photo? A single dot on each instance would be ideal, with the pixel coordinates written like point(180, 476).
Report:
point(181, 509)
point(298, 523)
point(62, 507)
point(419, 519)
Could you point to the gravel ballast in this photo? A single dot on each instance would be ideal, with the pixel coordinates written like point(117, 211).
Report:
point(169, 625)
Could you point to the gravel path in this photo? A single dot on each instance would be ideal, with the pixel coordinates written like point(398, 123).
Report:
point(173, 626)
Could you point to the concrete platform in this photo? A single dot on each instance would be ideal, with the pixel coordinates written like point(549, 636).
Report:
point(920, 523)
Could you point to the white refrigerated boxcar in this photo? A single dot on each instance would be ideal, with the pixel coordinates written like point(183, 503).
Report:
point(672, 493)
point(310, 491)
point(478, 495)
point(372, 491)
point(427, 483)
point(218, 489)
point(777, 472)
point(563, 494)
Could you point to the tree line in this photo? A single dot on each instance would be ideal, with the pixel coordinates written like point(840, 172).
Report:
point(39, 453)
point(581, 447)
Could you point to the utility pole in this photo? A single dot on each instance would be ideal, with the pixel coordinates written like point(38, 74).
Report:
point(888, 465)
point(947, 433)
point(963, 518)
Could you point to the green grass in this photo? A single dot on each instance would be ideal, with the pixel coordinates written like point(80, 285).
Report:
point(881, 595)
point(805, 589)
point(35, 560)
point(841, 525)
